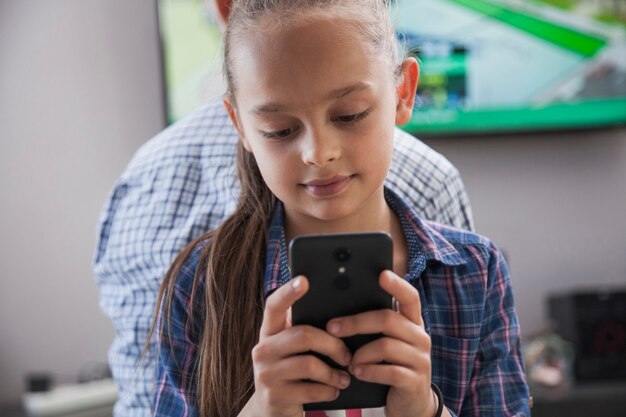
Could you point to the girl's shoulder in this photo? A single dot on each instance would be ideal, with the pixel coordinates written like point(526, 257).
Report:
point(467, 246)
point(458, 236)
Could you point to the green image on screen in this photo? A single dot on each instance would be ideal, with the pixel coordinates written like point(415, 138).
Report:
point(485, 65)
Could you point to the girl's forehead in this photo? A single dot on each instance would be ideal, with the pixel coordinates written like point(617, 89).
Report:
point(294, 42)
point(277, 28)
point(299, 61)
point(308, 49)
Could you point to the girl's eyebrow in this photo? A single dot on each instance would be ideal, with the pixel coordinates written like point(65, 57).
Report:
point(267, 108)
point(344, 91)
point(334, 94)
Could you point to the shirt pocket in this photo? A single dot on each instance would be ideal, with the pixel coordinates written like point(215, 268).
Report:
point(453, 360)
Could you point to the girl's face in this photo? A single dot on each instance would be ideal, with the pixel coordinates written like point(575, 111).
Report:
point(317, 108)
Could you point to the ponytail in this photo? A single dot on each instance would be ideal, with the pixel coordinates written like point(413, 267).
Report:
point(233, 265)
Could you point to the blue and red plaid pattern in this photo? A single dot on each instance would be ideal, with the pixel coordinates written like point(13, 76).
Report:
point(467, 306)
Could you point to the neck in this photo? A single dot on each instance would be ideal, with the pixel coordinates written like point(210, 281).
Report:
point(374, 215)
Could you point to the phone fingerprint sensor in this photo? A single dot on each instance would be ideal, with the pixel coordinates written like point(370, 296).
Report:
point(342, 282)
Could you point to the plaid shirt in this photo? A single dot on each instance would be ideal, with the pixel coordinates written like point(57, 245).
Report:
point(467, 306)
point(182, 183)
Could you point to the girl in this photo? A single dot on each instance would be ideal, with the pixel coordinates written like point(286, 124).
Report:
point(315, 88)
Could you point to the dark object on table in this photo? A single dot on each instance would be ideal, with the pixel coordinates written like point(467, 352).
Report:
point(40, 382)
point(595, 323)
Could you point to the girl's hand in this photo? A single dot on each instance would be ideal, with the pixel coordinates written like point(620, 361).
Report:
point(284, 378)
point(405, 347)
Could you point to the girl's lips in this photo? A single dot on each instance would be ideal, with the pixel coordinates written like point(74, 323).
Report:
point(327, 187)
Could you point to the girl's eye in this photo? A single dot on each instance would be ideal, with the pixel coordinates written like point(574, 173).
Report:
point(352, 118)
point(278, 134)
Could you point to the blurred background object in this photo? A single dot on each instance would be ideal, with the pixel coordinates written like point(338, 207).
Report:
point(549, 360)
point(578, 365)
point(594, 323)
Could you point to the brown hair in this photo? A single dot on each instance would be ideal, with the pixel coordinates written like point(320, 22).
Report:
point(232, 263)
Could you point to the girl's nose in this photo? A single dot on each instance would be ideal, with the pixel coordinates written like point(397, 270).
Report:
point(320, 148)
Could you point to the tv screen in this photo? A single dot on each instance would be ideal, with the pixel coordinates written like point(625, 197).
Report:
point(486, 65)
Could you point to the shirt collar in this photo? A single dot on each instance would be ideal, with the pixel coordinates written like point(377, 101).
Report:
point(424, 244)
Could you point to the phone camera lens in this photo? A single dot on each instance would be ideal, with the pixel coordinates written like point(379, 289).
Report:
point(342, 254)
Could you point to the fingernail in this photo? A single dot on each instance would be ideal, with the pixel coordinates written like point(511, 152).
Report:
point(344, 380)
point(295, 283)
point(357, 371)
point(334, 327)
point(347, 358)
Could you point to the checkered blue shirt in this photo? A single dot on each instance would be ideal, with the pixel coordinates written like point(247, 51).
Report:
point(182, 183)
point(467, 307)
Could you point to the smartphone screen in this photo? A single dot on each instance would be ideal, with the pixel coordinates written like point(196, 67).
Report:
point(343, 272)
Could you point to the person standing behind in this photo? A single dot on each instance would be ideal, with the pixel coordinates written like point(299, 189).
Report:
point(182, 183)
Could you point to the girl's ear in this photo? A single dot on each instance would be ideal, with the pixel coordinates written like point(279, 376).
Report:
point(405, 91)
point(232, 113)
point(223, 9)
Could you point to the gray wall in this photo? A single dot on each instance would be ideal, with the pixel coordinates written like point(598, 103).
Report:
point(80, 91)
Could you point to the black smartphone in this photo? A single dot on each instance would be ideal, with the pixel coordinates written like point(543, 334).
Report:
point(343, 272)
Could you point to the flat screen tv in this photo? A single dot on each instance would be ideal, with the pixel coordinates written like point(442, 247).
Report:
point(487, 66)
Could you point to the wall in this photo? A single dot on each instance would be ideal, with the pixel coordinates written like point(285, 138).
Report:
point(80, 91)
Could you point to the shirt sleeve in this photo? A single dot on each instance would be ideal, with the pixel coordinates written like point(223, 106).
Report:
point(498, 385)
point(177, 344)
point(145, 223)
point(178, 185)
point(127, 285)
